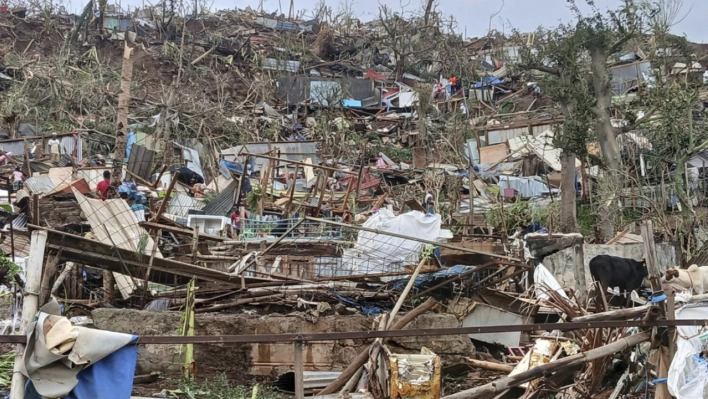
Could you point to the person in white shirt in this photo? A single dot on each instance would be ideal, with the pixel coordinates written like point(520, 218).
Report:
point(54, 148)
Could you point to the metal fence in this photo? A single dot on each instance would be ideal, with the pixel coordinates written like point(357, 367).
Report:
point(272, 229)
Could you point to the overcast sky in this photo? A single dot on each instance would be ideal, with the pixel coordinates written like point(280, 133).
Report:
point(473, 15)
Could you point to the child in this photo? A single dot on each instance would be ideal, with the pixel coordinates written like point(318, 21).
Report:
point(17, 178)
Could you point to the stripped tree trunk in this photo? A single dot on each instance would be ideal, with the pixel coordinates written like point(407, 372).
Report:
point(609, 212)
point(123, 109)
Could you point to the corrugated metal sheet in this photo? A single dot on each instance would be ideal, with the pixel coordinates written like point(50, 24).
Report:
point(536, 130)
point(502, 136)
point(528, 187)
point(192, 157)
point(16, 147)
point(71, 144)
point(140, 162)
point(281, 65)
point(41, 184)
point(223, 202)
point(180, 204)
point(20, 221)
point(289, 150)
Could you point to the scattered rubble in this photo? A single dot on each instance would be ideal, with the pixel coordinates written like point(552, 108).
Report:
point(292, 198)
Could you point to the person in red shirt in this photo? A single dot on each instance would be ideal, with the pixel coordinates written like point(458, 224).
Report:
point(236, 221)
point(104, 185)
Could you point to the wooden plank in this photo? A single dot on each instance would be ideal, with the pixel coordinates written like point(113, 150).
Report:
point(493, 153)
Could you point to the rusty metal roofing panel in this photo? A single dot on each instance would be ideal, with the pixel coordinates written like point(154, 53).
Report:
point(180, 204)
point(223, 202)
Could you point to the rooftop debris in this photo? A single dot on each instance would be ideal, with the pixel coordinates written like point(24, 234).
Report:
point(379, 174)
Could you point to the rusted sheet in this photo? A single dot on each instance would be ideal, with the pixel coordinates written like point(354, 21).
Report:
point(415, 376)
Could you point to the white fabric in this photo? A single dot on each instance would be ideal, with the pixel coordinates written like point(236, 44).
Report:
point(379, 253)
point(54, 375)
point(687, 378)
point(545, 281)
point(140, 215)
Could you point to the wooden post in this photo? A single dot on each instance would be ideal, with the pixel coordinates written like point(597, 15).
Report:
point(322, 193)
point(361, 173)
point(122, 119)
point(29, 305)
point(650, 254)
point(244, 176)
point(671, 315)
point(579, 270)
point(289, 208)
point(195, 244)
point(166, 200)
point(109, 292)
point(299, 372)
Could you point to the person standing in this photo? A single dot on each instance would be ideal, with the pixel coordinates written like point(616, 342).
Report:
point(429, 204)
point(17, 178)
point(104, 185)
point(54, 148)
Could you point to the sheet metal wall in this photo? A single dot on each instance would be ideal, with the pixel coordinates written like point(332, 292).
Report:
point(289, 150)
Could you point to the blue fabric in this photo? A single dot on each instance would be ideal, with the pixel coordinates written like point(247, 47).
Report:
point(132, 139)
point(367, 310)
point(488, 81)
point(109, 378)
point(236, 167)
point(423, 281)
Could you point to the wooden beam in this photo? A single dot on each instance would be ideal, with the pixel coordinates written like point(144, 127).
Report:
point(97, 254)
point(163, 204)
point(502, 384)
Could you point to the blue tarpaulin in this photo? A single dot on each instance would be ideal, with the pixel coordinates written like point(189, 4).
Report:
point(488, 81)
point(132, 139)
point(109, 378)
point(233, 166)
point(426, 280)
point(367, 310)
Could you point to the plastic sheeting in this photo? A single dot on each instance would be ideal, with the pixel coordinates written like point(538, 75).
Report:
point(545, 281)
point(688, 374)
point(380, 253)
point(429, 279)
point(528, 187)
point(55, 357)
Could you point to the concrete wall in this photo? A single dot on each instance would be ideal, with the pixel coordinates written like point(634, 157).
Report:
point(265, 359)
point(561, 263)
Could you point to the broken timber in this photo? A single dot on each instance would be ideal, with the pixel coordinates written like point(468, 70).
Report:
point(107, 257)
point(502, 384)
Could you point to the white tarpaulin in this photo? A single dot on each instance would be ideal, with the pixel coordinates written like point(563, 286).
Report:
point(114, 223)
point(545, 281)
point(379, 253)
point(688, 374)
